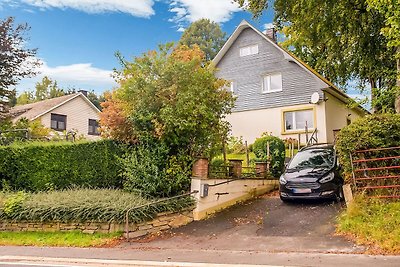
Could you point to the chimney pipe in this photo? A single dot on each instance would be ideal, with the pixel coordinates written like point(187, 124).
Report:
point(84, 92)
point(271, 34)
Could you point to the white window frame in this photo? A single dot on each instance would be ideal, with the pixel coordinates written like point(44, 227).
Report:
point(266, 83)
point(294, 120)
point(249, 50)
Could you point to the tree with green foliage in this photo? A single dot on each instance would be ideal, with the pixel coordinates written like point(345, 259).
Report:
point(96, 99)
point(16, 61)
point(342, 39)
point(170, 95)
point(171, 105)
point(207, 35)
point(45, 89)
point(390, 9)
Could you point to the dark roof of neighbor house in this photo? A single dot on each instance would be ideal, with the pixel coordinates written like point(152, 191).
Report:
point(34, 110)
point(330, 88)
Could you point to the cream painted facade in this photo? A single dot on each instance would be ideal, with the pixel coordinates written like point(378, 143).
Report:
point(338, 115)
point(78, 111)
point(329, 115)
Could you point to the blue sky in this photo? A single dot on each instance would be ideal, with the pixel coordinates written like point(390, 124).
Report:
point(77, 39)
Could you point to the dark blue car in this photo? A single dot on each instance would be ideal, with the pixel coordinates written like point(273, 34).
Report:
point(313, 173)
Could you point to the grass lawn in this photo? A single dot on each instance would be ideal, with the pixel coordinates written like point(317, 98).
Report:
point(57, 239)
point(374, 223)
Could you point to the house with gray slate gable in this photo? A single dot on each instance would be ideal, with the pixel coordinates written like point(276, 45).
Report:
point(277, 93)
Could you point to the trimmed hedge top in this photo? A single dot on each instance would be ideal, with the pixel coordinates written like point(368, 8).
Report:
point(41, 166)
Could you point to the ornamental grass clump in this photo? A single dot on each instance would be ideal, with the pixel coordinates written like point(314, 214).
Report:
point(85, 205)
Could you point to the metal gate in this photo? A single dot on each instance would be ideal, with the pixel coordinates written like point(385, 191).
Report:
point(376, 172)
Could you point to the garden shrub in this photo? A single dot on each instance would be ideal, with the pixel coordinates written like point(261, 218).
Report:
point(84, 205)
point(277, 152)
point(372, 131)
point(149, 169)
point(41, 166)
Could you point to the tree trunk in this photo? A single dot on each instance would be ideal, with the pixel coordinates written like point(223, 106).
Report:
point(397, 101)
point(372, 82)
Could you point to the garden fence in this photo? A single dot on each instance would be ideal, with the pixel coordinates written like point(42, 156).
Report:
point(376, 172)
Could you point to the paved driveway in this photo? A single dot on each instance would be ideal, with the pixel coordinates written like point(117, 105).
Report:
point(264, 224)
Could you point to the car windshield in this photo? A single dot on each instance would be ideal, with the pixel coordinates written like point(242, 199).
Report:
point(313, 158)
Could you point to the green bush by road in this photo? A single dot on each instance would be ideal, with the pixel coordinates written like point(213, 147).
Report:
point(83, 205)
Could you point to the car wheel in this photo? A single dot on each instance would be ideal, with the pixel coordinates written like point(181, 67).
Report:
point(340, 194)
point(286, 200)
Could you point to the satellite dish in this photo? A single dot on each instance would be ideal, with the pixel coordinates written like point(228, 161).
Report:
point(314, 98)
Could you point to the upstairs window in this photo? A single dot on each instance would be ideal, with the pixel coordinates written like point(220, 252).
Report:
point(93, 127)
point(297, 120)
point(58, 122)
point(248, 50)
point(272, 83)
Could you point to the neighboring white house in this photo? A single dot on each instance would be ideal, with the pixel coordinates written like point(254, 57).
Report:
point(277, 93)
point(64, 113)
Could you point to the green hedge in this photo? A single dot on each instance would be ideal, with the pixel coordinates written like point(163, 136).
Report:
point(373, 131)
point(56, 165)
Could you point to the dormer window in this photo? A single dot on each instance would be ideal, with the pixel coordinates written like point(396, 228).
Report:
point(248, 50)
point(272, 83)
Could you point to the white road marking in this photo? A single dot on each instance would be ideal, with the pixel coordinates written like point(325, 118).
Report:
point(71, 262)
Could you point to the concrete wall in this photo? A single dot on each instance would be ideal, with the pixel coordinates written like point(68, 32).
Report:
point(336, 115)
point(251, 124)
point(78, 112)
point(232, 193)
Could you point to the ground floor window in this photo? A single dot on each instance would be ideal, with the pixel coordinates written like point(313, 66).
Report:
point(93, 127)
point(58, 122)
point(298, 119)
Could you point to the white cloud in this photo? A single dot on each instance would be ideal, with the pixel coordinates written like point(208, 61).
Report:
point(139, 8)
point(79, 76)
point(192, 10)
point(268, 26)
point(181, 29)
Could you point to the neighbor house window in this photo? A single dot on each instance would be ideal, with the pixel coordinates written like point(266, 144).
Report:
point(93, 127)
point(272, 83)
point(58, 122)
point(297, 120)
point(248, 50)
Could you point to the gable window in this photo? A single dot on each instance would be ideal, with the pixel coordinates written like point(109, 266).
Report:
point(58, 122)
point(298, 119)
point(93, 127)
point(272, 83)
point(248, 50)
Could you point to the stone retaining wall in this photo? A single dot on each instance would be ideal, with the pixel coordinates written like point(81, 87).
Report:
point(163, 221)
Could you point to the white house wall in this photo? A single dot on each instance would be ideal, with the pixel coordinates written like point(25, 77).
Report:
point(253, 123)
point(336, 115)
point(78, 112)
